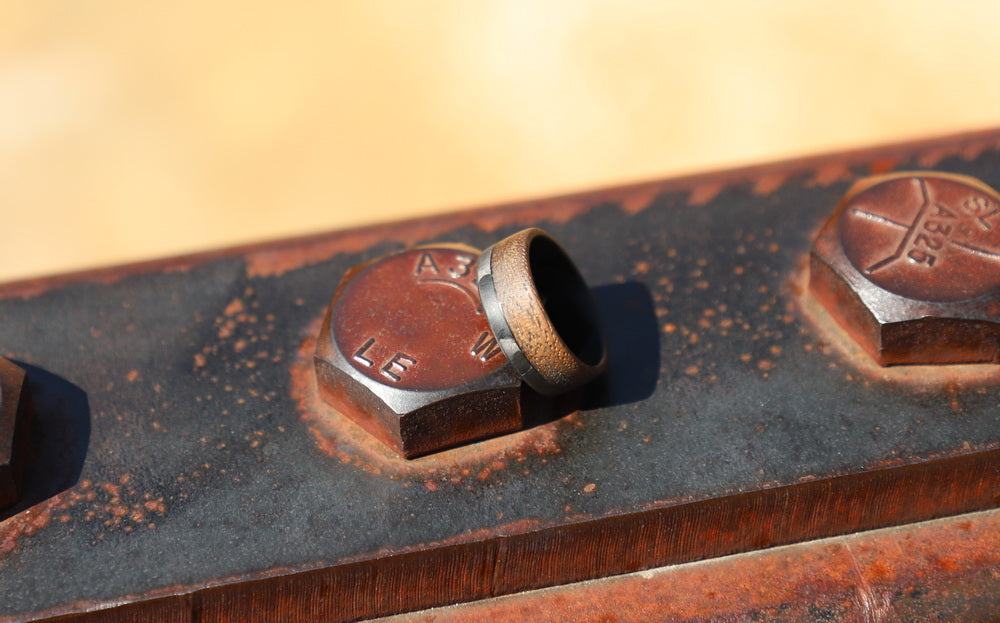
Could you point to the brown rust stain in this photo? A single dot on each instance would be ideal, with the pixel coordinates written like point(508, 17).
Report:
point(276, 261)
point(640, 198)
point(764, 327)
point(30, 288)
point(277, 257)
point(704, 193)
point(241, 327)
point(701, 189)
point(115, 506)
point(340, 438)
point(769, 182)
point(829, 174)
point(853, 575)
point(234, 307)
point(884, 164)
point(967, 150)
point(197, 599)
point(895, 574)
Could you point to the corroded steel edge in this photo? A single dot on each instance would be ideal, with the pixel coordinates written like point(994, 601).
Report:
point(277, 256)
point(490, 563)
point(944, 570)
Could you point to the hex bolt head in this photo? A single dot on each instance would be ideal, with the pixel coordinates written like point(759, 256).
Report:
point(909, 265)
point(15, 422)
point(427, 348)
point(406, 352)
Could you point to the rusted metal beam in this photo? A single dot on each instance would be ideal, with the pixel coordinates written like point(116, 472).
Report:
point(183, 465)
point(944, 570)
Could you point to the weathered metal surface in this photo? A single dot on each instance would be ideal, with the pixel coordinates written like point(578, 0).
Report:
point(406, 352)
point(945, 570)
point(15, 422)
point(193, 473)
point(909, 265)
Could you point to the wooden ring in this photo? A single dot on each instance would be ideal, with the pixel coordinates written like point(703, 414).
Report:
point(541, 312)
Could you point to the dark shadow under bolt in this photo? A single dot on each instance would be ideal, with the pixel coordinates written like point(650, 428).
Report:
point(633, 340)
point(60, 436)
point(628, 315)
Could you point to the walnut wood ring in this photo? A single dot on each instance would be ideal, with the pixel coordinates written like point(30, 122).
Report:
point(541, 312)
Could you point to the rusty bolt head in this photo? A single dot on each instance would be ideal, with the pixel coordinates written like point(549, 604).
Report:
point(407, 353)
point(15, 415)
point(909, 266)
point(426, 348)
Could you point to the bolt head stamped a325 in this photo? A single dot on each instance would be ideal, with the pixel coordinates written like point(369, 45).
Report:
point(407, 353)
point(909, 266)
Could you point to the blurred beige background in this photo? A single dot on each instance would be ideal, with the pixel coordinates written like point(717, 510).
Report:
point(133, 130)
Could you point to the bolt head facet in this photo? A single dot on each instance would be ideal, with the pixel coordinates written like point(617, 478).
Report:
point(909, 266)
point(406, 352)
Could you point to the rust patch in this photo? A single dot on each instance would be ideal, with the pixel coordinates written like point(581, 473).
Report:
point(967, 150)
point(340, 438)
point(115, 506)
point(703, 193)
point(910, 573)
point(234, 307)
point(639, 199)
point(701, 189)
point(276, 261)
point(769, 182)
point(30, 288)
point(277, 257)
point(884, 164)
point(829, 174)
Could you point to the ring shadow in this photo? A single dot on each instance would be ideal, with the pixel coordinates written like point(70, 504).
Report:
point(628, 315)
point(58, 439)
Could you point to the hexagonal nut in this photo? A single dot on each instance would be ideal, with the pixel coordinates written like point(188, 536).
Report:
point(909, 266)
point(406, 352)
point(15, 423)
